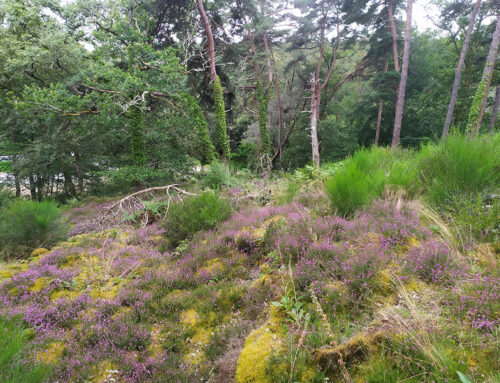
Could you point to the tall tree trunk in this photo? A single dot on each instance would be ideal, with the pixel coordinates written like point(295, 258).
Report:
point(380, 108)
point(358, 95)
point(268, 59)
point(278, 99)
point(32, 187)
point(458, 73)
point(394, 36)
point(404, 75)
point(494, 113)
point(79, 172)
point(314, 121)
point(487, 75)
point(14, 163)
point(210, 38)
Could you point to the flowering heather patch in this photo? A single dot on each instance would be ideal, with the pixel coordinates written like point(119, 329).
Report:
point(478, 302)
point(112, 305)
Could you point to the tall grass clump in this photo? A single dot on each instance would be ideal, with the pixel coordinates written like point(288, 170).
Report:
point(459, 165)
point(26, 225)
point(202, 212)
point(15, 340)
point(367, 174)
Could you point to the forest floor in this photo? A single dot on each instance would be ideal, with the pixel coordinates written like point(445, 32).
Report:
point(283, 291)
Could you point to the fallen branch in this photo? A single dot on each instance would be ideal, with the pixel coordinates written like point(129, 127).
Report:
point(112, 216)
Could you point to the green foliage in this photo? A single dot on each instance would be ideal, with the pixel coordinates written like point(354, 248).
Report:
point(6, 166)
point(245, 156)
point(218, 175)
point(5, 196)
point(15, 341)
point(458, 165)
point(137, 143)
point(26, 225)
point(220, 121)
point(265, 139)
point(202, 212)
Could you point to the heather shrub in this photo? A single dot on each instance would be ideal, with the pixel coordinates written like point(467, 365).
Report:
point(26, 225)
point(431, 261)
point(219, 175)
point(202, 212)
point(459, 164)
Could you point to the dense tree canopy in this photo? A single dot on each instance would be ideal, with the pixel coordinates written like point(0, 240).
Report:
point(94, 91)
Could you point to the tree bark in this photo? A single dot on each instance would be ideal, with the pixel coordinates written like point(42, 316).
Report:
point(394, 36)
point(210, 38)
point(494, 113)
point(380, 108)
point(14, 163)
point(268, 59)
point(458, 73)
point(404, 76)
point(488, 72)
point(278, 99)
point(314, 121)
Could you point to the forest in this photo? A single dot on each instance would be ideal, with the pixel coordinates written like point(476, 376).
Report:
point(249, 191)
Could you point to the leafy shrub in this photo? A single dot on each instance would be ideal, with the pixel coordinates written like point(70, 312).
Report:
point(26, 225)
point(202, 212)
point(5, 196)
point(459, 164)
point(218, 175)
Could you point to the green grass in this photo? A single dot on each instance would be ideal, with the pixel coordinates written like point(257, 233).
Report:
point(458, 165)
point(26, 225)
point(15, 340)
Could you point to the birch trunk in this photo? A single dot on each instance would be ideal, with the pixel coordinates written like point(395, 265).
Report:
point(314, 121)
point(488, 72)
point(458, 73)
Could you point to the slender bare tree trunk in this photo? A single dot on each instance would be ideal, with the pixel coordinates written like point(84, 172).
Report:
point(394, 37)
point(494, 113)
point(404, 76)
point(488, 72)
point(278, 99)
point(458, 73)
point(210, 38)
point(380, 108)
point(14, 164)
point(314, 121)
point(268, 59)
point(358, 96)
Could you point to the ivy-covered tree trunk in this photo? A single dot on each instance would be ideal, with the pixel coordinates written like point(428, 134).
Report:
point(404, 76)
point(494, 113)
point(265, 144)
point(478, 106)
point(220, 122)
point(137, 143)
point(458, 73)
